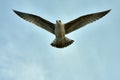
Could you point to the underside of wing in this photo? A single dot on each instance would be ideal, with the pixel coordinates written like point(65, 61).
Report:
point(83, 20)
point(37, 21)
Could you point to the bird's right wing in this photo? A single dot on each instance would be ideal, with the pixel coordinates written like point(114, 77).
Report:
point(37, 21)
point(83, 20)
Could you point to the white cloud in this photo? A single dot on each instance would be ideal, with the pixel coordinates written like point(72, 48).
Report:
point(23, 71)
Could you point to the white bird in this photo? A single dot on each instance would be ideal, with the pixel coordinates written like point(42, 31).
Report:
point(59, 29)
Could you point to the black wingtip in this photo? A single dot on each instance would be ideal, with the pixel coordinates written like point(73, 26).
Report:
point(18, 13)
point(107, 11)
point(15, 11)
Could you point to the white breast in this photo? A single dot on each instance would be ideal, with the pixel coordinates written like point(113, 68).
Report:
point(59, 30)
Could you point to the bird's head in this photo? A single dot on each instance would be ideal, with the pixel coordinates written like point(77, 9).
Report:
point(58, 21)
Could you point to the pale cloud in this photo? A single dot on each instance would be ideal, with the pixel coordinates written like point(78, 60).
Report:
point(21, 70)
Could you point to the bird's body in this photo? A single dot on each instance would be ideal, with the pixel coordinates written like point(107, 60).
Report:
point(59, 29)
point(60, 40)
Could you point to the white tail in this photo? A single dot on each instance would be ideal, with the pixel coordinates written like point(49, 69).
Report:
point(63, 43)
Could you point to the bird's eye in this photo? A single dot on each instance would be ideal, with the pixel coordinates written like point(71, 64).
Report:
point(59, 20)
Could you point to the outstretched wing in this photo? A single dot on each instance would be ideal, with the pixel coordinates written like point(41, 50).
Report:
point(83, 20)
point(37, 21)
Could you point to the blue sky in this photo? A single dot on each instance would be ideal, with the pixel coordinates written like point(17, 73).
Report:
point(26, 54)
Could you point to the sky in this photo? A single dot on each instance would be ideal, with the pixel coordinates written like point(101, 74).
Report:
point(26, 54)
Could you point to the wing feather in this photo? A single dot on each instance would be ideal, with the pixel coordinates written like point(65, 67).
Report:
point(83, 20)
point(37, 21)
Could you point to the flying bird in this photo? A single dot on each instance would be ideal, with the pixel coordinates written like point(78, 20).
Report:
point(59, 29)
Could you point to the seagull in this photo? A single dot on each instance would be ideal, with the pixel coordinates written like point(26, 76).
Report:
point(59, 29)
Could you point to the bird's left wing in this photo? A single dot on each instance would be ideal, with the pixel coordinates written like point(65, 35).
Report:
point(83, 20)
point(37, 21)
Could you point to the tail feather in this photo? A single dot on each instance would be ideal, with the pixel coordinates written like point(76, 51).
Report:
point(63, 43)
